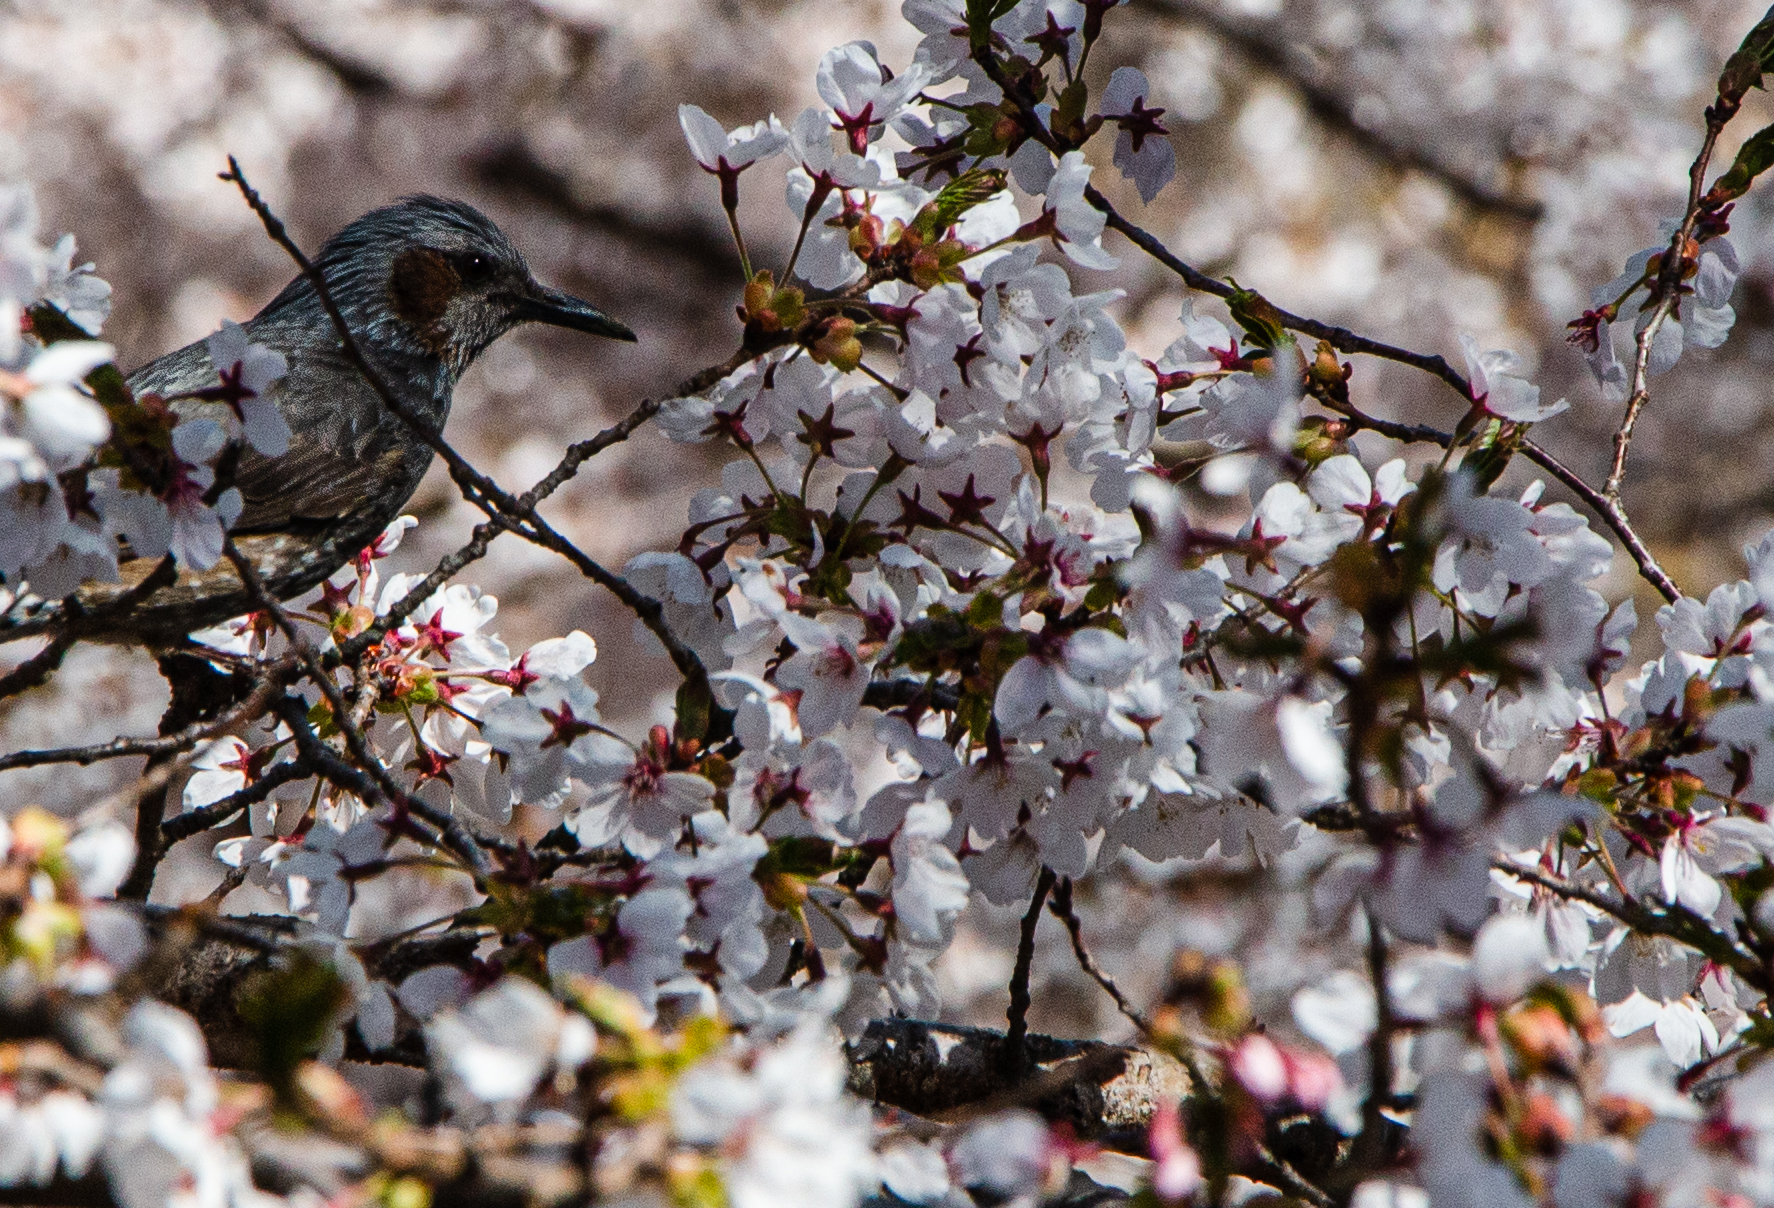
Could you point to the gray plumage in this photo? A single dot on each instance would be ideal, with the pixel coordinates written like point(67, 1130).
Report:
point(425, 286)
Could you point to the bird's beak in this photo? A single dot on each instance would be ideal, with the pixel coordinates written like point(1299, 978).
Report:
point(559, 309)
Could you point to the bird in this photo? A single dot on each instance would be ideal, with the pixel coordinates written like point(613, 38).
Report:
point(425, 285)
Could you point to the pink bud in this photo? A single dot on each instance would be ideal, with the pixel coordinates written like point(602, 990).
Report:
point(1177, 1169)
point(1312, 1079)
point(1258, 1065)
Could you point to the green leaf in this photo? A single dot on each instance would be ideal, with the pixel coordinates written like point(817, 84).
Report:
point(981, 14)
point(1258, 317)
point(1746, 66)
point(695, 706)
point(1073, 100)
point(1491, 457)
point(957, 197)
point(975, 712)
point(1753, 158)
point(806, 856)
point(933, 643)
point(1103, 592)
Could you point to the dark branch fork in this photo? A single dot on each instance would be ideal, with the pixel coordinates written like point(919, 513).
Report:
point(1607, 507)
point(381, 785)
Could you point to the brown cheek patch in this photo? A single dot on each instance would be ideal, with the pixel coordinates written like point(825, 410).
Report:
point(422, 286)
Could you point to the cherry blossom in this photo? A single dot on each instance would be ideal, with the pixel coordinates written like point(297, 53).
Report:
point(786, 1134)
point(497, 1045)
point(863, 95)
point(1235, 637)
point(719, 150)
point(1143, 150)
point(929, 887)
point(247, 371)
point(1077, 225)
point(1499, 388)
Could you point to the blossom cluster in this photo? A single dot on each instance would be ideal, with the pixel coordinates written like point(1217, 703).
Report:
point(87, 469)
point(965, 616)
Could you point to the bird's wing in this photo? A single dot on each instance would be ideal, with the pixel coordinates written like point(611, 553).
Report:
point(339, 456)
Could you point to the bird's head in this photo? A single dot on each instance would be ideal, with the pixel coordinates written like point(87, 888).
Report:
point(434, 277)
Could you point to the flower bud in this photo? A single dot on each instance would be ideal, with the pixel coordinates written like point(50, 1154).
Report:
point(769, 308)
point(838, 345)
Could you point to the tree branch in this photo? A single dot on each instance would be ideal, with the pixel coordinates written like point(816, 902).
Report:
point(1061, 908)
point(484, 533)
point(1613, 514)
point(1018, 1015)
point(195, 821)
point(382, 784)
point(1677, 922)
point(38, 668)
point(118, 748)
point(1668, 284)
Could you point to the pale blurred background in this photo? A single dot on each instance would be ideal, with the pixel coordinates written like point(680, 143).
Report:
point(1411, 168)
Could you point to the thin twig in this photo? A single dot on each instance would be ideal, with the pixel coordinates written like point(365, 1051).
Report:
point(1676, 922)
point(1340, 338)
point(155, 836)
point(332, 767)
point(1610, 511)
point(1365, 1153)
point(1669, 276)
point(233, 879)
point(479, 541)
point(200, 691)
point(383, 785)
point(39, 667)
point(484, 533)
point(1613, 514)
point(1291, 1180)
point(216, 813)
point(1018, 1015)
point(1061, 908)
point(120, 748)
point(650, 611)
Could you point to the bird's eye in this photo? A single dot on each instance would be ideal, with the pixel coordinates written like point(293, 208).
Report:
point(473, 268)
